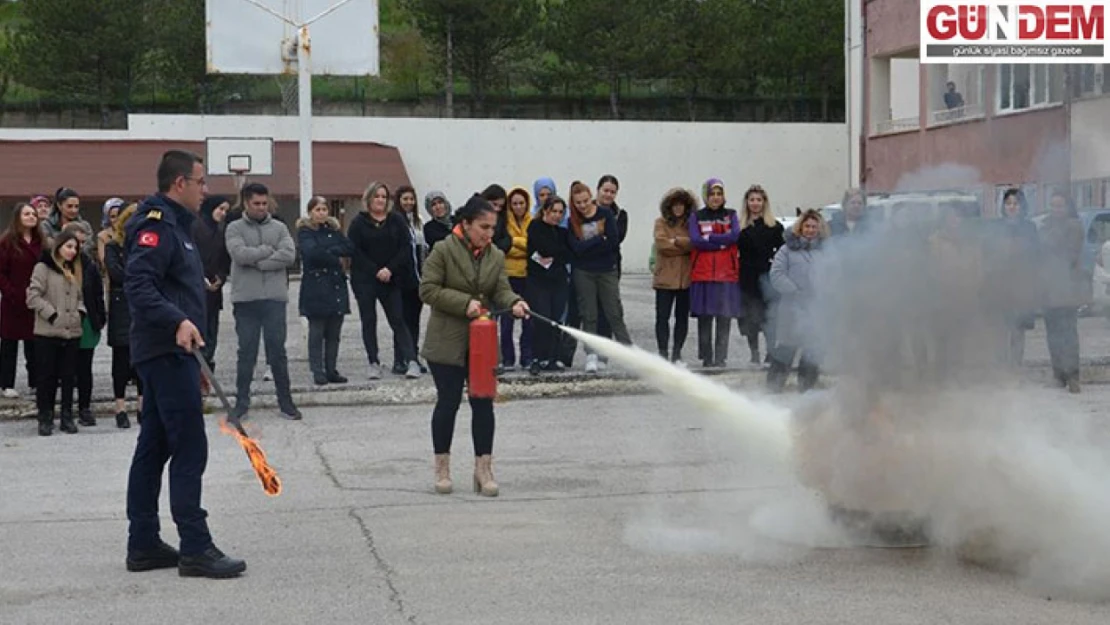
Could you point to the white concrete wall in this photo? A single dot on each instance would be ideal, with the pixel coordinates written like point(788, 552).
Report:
point(1090, 138)
point(798, 164)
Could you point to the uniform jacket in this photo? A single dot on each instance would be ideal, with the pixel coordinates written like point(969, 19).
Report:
point(57, 301)
point(713, 235)
point(17, 322)
point(261, 252)
point(164, 281)
point(324, 290)
point(119, 315)
point(672, 255)
point(453, 276)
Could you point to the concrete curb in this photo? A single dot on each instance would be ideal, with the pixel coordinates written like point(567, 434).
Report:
point(514, 387)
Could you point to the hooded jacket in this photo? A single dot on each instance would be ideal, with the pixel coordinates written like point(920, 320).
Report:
point(57, 301)
point(792, 277)
point(671, 271)
point(261, 252)
point(324, 290)
point(516, 259)
point(436, 230)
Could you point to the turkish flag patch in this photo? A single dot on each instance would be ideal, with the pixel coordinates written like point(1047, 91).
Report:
point(148, 239)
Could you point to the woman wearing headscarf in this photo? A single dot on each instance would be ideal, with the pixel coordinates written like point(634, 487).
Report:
point(111, 211)
point(714, 273)
point(464, 274)
point(439, 226)
point(1012, 271)
point(208, 235)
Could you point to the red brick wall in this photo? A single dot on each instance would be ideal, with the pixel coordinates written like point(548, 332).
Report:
point(892, 26)
point(1025, 147)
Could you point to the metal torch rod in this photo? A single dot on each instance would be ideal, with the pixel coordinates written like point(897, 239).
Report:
point(206, 371)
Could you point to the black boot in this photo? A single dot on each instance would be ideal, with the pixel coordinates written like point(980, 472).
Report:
point(162, 556)
point(67, 424)
point(122, 421)
point(212, 564)
point(85, 417)
point(46, 422)
point(776, 376)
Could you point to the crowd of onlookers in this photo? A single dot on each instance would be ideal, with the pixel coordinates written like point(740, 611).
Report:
point(61, 282)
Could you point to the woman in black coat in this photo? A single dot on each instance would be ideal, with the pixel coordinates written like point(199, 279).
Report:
point(208, 234)
point(119, 322)
point(324, 298)
point(761, 236)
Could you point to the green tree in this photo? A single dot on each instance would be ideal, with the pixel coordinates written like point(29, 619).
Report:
point(10, 19)
point(84, 50)
point(614, 39)
point(476, 38)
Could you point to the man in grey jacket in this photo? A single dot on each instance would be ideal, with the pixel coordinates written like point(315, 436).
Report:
point(261, 250)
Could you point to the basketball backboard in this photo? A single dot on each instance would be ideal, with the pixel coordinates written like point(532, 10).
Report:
point(228, 156)
point(245, 38)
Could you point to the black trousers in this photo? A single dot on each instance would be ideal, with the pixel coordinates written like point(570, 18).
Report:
point(713, 350)
point(9, 357)
point(568, 345)
point(123, 372)
point(367, 296)
point(55, 366)
point(450, 380)
point(323, 344)
point(547, 299)
point(667, 300)
point(211, 335)
point(411, 307)
point(84, 378)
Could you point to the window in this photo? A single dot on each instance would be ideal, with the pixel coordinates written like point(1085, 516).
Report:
point(1084, 192)
point(1024, 86)
point(1091, 80)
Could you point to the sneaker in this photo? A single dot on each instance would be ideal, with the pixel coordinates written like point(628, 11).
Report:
point(413, 371)
point(319, 379)
point(335, 378)
point(591, 363)
point(400, 368)
point(375, 372)
point(10, 393)
point(85, 418)
point(161, 557)
point(122, 422)
point(554, 365)
point(291, 414)
point(535, 367)
point(212, 564)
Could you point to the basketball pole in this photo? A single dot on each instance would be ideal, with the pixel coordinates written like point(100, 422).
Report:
point(304, 111)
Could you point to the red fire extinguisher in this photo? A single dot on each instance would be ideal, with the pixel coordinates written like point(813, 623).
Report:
point(483, 356)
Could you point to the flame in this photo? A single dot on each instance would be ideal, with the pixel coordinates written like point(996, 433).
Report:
point(271, 483)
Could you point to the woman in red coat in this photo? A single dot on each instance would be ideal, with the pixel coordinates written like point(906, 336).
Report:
point(20, 248)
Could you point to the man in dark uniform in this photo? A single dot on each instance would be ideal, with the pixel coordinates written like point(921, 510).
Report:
point(165, 290)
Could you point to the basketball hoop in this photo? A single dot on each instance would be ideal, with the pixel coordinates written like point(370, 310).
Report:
point(239, 165)
point(240, 177)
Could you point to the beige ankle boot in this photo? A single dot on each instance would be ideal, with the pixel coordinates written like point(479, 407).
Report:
point(443, 474)
point(483, 477)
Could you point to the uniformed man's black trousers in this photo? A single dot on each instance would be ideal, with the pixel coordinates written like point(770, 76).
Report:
point(172, 430)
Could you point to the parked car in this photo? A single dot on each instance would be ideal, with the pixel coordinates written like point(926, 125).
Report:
point(1096, 225)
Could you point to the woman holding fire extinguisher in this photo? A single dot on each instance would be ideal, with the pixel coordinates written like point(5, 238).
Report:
point(464, 276)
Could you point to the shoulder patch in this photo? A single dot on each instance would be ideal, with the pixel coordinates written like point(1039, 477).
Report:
point(148, 238)
point(155, 215)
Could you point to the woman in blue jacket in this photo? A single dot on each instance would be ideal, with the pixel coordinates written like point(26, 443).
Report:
point(324, 298)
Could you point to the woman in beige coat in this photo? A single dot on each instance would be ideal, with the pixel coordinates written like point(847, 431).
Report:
point(463, 275)
point(55, 297)
point(671, 272)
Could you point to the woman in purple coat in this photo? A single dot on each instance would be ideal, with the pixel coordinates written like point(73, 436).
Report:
point(714, 273)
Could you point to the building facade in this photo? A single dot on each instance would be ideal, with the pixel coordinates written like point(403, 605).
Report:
point(979, 128)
